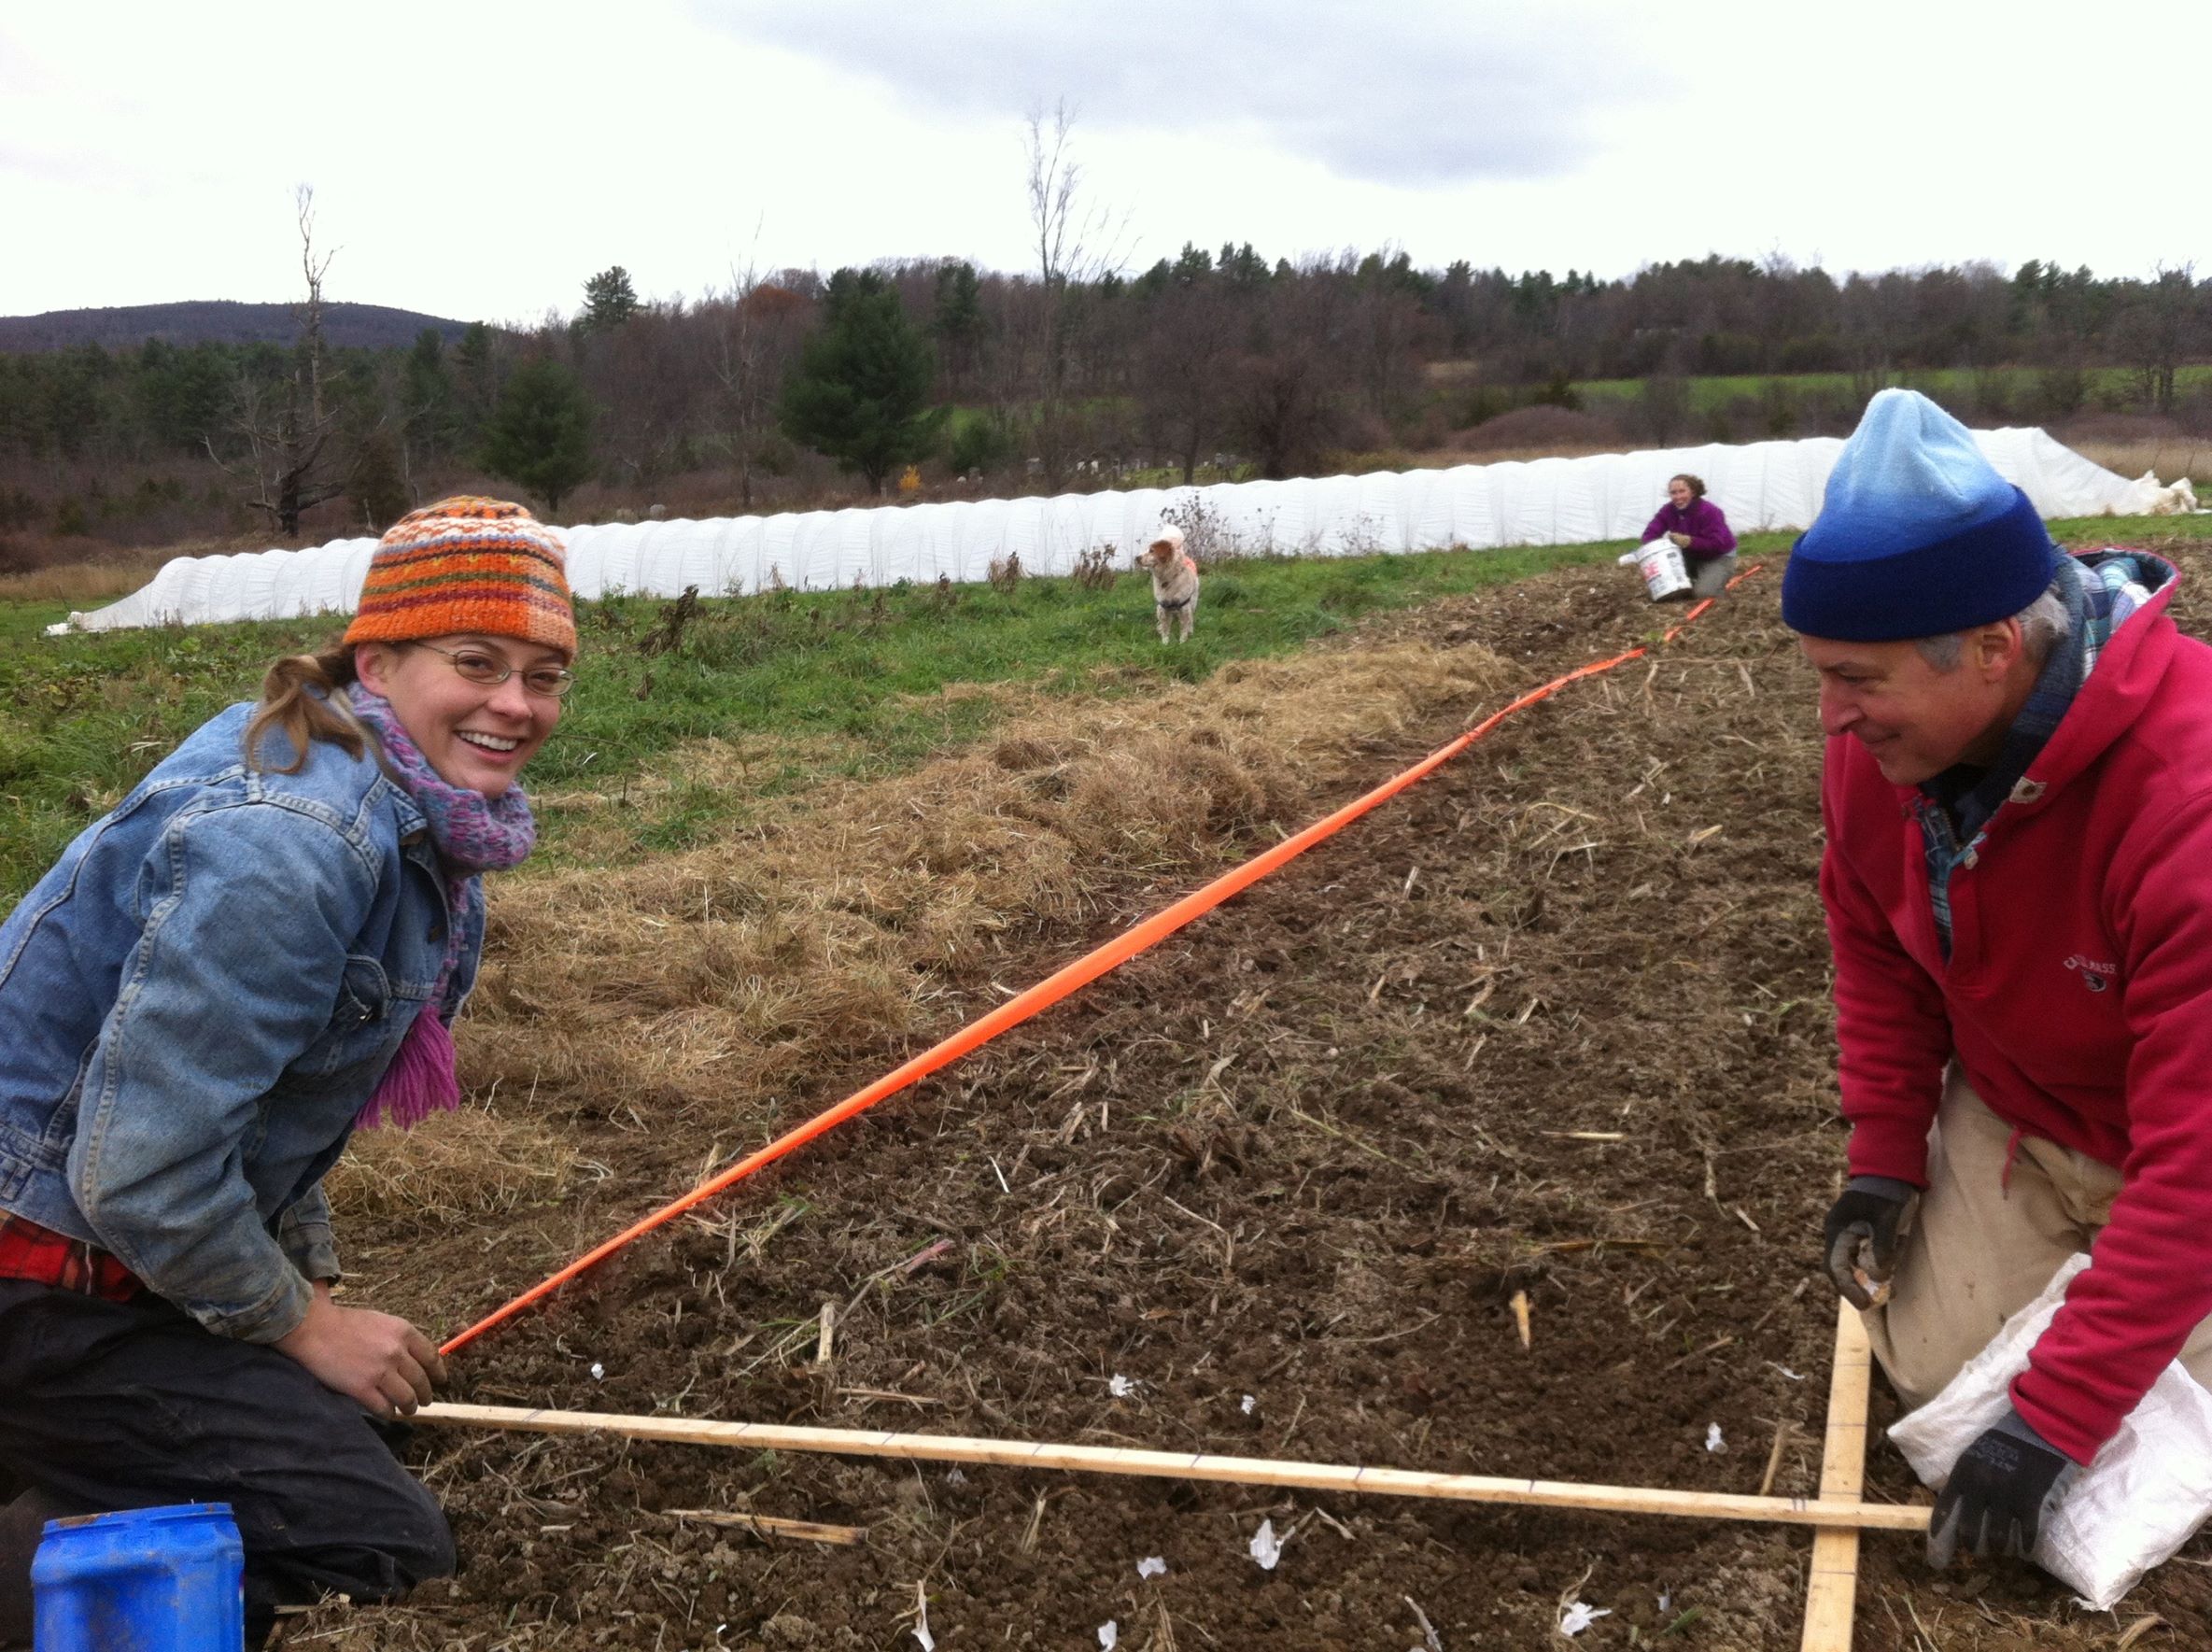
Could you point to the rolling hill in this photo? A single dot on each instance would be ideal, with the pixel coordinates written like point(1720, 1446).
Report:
point(214, 321)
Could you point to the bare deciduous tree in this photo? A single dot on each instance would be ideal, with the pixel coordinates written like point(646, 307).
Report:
point(1392, 333)
point(653, 386)
point(2155, 330)
point(1185, 361)
point(287, 428)
point(1293, 384)
point(756, 326)
point(1077, 243)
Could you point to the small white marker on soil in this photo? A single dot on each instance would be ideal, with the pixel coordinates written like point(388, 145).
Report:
point(1579, 1618)
point(1120, 1387)
point(599, 1372)
point(1249, 1404)
point(1108, 1633)
point(1712, 1438)
point(1151, 1566)
point(1264, 1546)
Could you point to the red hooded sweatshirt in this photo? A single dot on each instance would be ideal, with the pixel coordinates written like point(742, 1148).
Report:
point(2077, 997)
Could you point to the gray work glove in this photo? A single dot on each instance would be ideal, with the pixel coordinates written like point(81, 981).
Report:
point(1999, 1492)
point(1862, 1234)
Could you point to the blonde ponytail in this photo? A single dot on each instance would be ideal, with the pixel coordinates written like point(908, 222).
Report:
point(302, 697)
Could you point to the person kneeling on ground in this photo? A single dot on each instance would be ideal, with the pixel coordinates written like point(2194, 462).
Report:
point(2018, 886)
point(258, 950)
point(1695, 526)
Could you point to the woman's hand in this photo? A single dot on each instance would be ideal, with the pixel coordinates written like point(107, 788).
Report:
point(1681, 538)
point(379, 1360)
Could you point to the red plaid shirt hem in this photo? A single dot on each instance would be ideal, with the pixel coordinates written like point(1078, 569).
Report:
point(29, 1252)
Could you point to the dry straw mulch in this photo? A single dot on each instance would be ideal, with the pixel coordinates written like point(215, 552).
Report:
point(705, 982)
point(474, 1162)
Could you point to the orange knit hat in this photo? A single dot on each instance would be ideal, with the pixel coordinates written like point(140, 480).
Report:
point(467, 564)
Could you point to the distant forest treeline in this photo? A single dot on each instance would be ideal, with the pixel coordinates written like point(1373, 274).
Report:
point(1205, 364)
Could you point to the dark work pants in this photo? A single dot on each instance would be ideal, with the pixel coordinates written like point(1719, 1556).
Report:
point(107, 1406)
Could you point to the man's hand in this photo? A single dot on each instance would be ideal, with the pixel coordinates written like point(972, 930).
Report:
point(2003, 1486)
point(379, 1360)
point(1681, 538)
point(1862, 1235)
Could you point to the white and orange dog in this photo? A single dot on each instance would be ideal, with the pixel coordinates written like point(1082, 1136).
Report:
point(1174, 583)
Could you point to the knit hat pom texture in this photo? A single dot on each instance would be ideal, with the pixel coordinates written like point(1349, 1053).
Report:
point(467, 564)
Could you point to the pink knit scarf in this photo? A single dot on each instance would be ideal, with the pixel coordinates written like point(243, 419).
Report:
point(474, 834)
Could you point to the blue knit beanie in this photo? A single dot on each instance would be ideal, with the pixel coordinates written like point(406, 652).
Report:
point(1917, 536)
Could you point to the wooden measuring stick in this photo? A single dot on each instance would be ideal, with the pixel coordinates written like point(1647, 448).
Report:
point(1832, 1585)
point(1178, 1465)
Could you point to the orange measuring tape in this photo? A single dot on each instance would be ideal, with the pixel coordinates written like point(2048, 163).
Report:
point(1060, 983)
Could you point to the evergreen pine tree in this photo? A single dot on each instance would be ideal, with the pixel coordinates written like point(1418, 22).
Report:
point(860, 392)
point(958, 319)
point(473, 378)
point(609, 301)
point(430, 411)
point(539, 436)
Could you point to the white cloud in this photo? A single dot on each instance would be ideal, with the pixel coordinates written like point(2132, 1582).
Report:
point(1422, 93)
point(482, 160)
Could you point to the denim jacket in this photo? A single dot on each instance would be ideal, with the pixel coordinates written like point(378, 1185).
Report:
point(196, 1001)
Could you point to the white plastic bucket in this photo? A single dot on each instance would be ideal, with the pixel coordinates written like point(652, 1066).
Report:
point(1664, 573)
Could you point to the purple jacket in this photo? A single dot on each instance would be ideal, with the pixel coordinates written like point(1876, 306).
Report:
point(1703, 522)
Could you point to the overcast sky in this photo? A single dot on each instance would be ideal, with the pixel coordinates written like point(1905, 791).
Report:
point(481, 159)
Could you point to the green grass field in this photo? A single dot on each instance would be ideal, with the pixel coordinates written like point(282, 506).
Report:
point(810, 685)
point(835, 682)
point(1715, 392)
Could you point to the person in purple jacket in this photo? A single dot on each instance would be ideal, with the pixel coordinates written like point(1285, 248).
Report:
point(1696, 525)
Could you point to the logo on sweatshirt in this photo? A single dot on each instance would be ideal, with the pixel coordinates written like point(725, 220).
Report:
point(2097, 974)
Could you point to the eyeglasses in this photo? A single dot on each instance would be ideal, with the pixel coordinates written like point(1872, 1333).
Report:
point(479, 665)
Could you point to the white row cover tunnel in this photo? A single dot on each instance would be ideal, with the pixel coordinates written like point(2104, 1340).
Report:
point(1546, 501)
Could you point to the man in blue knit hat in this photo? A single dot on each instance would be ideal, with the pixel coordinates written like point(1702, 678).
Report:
point(2016, 791)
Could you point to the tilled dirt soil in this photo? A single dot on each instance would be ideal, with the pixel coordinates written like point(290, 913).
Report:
point(1554, 1021)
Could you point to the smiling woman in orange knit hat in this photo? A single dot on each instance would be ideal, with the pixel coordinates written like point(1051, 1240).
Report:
point(257, 952)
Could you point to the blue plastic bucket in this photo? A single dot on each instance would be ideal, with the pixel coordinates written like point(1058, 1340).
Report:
point(146, 1580)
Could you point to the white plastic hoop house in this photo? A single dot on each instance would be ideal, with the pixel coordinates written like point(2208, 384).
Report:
point(1761, 485)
